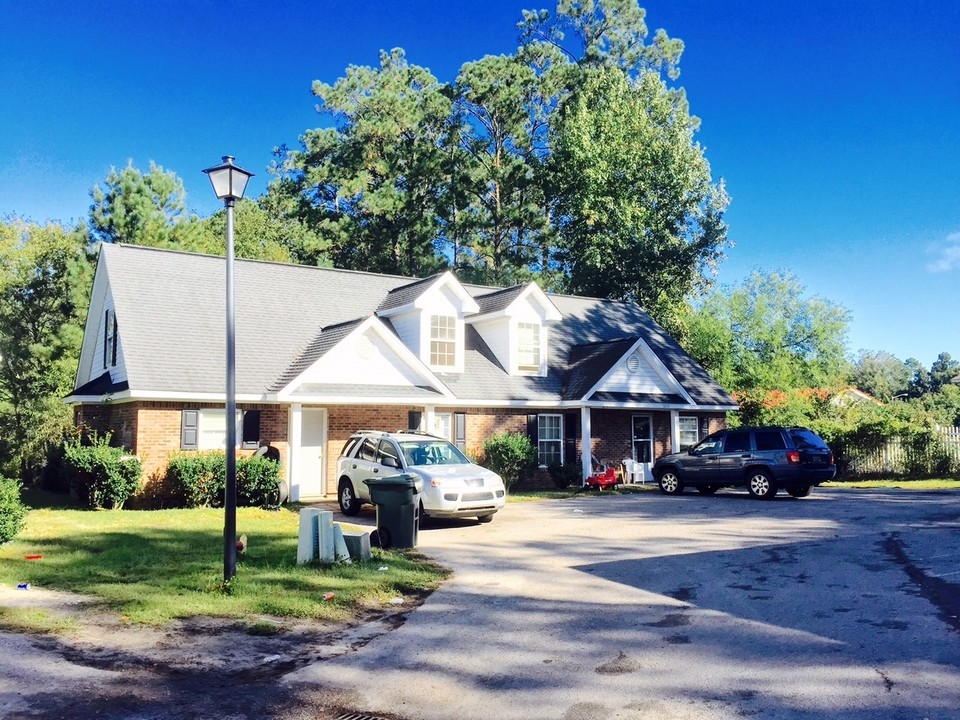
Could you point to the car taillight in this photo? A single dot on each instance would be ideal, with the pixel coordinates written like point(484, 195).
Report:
point(793, 457)
point(831, 459)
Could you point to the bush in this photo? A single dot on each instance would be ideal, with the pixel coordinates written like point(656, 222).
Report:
point(509, 454)
point(201, 478)
point(258, 482)
point(102, 476)
point(565, 475)
point(12, 510)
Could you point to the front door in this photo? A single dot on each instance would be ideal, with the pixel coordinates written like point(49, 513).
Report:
point(313, 442)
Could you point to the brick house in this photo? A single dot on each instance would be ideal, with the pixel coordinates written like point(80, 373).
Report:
point(323, 352)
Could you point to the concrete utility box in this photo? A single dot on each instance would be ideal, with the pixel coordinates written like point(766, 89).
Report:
point(358, 544)
point(316, 540)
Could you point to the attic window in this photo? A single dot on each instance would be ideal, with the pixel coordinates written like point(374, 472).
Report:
point(443, 341)
point(528, 347)
point(109, 339)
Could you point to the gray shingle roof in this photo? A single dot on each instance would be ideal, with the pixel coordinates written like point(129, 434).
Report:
point(170, 312)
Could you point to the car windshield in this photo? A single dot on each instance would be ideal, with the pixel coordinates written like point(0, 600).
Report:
point(432, 452)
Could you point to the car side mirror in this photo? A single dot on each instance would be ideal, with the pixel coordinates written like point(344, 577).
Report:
point(390, 462)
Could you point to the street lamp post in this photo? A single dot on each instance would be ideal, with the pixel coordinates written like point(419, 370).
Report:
point(229, 182)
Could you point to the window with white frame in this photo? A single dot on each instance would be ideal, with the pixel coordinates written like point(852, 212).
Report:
point(528, 347)
point(689, 431)
point(206, 429)
point(443, 341)
point(550, 439)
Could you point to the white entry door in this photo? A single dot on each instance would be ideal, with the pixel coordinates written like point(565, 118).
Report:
point(313, 462)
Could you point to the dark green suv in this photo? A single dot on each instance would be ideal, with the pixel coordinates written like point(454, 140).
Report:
point(764, 459)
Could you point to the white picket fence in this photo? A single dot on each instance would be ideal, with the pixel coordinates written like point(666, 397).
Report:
point(900, 456)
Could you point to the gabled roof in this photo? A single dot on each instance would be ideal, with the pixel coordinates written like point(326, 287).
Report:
point(499, 301)
point(408, 296)
point(170, 311)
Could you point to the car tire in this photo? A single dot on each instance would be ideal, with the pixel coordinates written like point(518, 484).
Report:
point(669, 482)
point(707, 489)
point(485, 518)
point(799, 492)
point(761, 485)
point(347, 499)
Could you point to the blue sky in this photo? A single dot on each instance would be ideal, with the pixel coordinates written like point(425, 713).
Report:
point(835, 123)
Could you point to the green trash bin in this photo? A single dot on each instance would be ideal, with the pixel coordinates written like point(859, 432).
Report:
point(398, 509)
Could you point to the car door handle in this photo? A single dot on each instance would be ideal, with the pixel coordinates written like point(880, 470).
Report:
point(748, 455)
point(376, 470)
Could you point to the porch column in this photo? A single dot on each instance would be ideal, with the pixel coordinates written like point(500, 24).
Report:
point(293, 453)
point(585, 452)
point(674, 431)
point(428, 417)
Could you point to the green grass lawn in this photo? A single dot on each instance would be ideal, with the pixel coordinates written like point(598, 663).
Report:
point(153, 566)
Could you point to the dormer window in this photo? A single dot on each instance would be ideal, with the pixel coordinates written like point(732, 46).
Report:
point(528, 347)
point(443, 341)
point(109, 339)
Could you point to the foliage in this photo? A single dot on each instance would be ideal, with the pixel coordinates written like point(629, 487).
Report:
point(200, 478)
point(637, 215)
point(258, 479)
point(143, 209)
point(880, 374)
point(45, 278)
point(12, 510)
point(102, 476)
point(566, 474)
point(509, 454)
point(764, 334)
point(370, 186)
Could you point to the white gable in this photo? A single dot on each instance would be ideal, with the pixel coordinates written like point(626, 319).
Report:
point(98, 331)
point(370, 355)
point(640, 372)
point(362, 359)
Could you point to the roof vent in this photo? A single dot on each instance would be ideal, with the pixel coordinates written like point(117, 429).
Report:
point(633, 362)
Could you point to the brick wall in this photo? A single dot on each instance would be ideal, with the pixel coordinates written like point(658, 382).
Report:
point(151, 430)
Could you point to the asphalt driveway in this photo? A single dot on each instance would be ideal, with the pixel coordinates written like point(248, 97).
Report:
point(841, 605)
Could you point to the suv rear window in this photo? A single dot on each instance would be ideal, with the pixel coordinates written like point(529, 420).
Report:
point(769, 440)
point(805, 439)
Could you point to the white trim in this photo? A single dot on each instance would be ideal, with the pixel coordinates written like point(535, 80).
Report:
point(674, 431)
point(295, 430)
point(586, 466)
point(651, 358)
point(550, 315)
point(375, 324)
point(448, 279)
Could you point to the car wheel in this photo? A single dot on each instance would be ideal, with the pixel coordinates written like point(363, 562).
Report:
point(349, 504)
point(799, 492)
point(707, 489)
point(485, 518)
point(761, 485)
point(670, 483)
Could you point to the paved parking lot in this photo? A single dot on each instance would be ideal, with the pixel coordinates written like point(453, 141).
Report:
point(841, 605)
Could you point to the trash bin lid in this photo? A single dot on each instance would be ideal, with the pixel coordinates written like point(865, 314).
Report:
point(395, 482)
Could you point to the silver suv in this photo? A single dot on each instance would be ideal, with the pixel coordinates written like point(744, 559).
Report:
point(453, 486)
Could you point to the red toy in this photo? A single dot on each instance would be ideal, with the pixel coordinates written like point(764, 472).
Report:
point(606, 478)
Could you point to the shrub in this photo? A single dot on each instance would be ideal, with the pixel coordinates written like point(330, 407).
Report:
point(509, 454)
point(12, 510)
point(565, 475)
point(258, 482)
point(102, 476)
point(201, 478)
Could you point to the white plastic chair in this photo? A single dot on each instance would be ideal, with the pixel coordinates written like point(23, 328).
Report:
point(632, 471)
